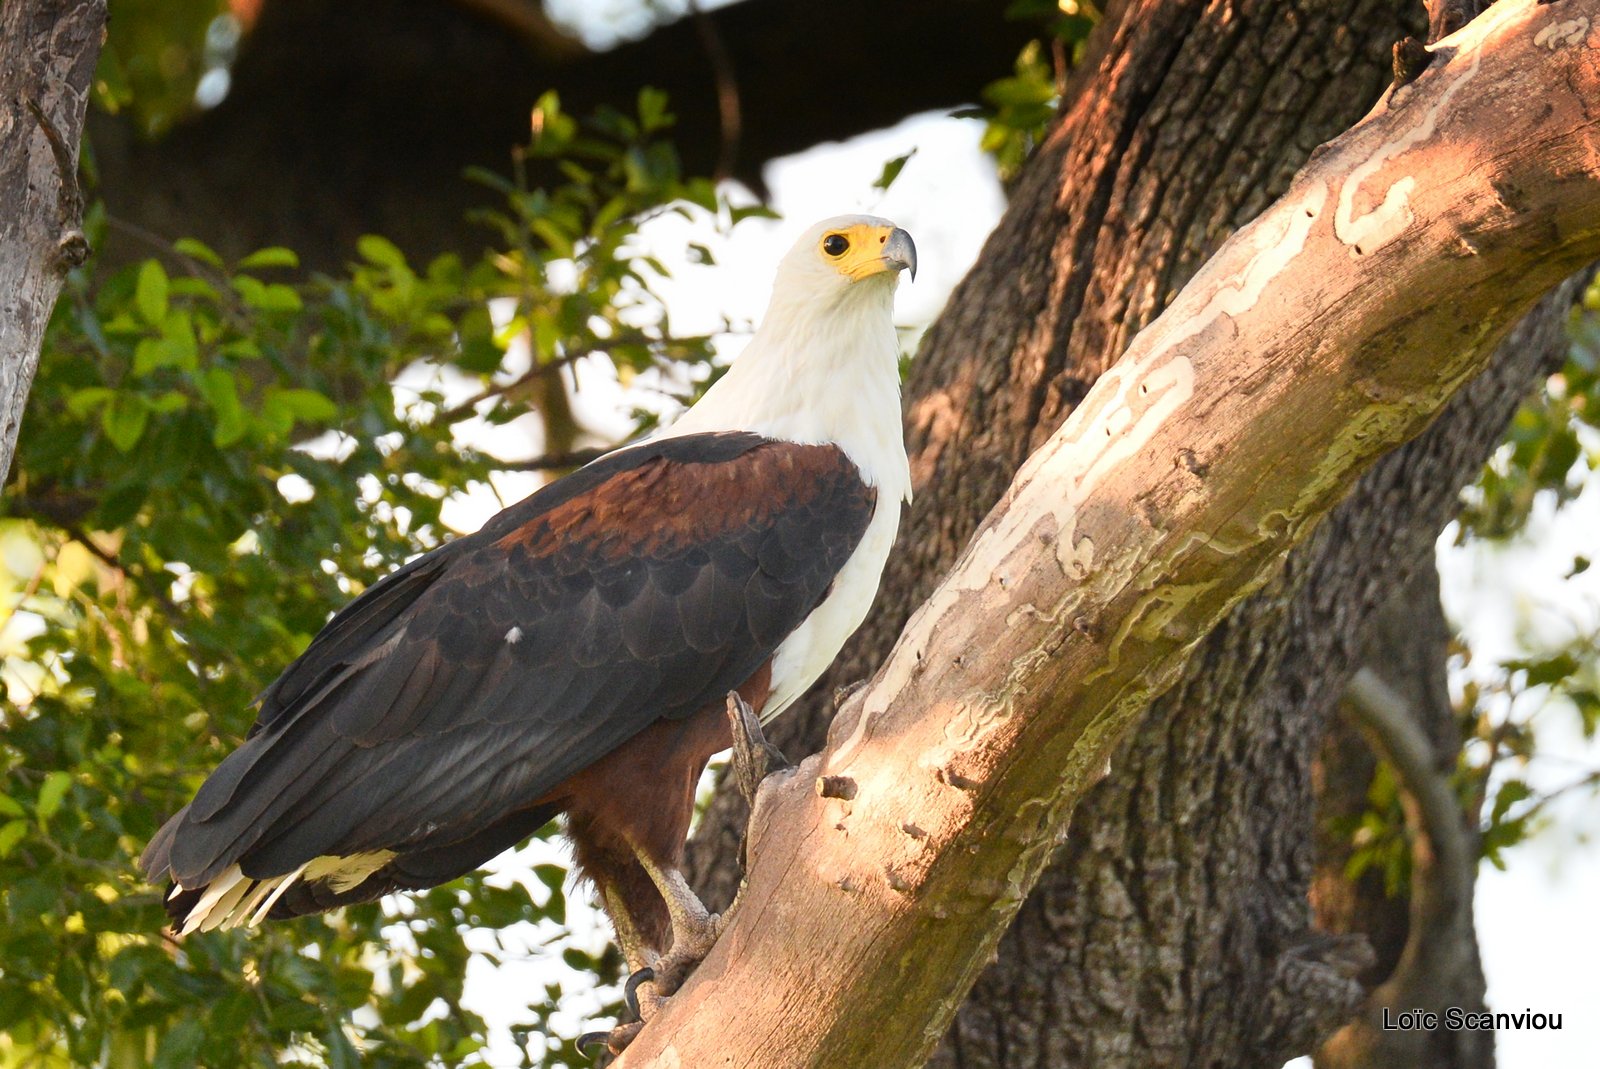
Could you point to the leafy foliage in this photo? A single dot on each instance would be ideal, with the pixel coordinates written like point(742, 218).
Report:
point(1018, 109)
point(217, 455)
point(1553, 441)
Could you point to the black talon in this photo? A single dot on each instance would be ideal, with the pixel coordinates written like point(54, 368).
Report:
point(630, 989)
point(589, 1039)
point(754, 758)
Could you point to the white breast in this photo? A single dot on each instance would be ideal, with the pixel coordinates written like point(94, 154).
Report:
point(802, 657)
point(823, 372)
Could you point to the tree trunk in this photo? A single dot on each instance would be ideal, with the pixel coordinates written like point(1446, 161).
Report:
point(898, 855)
point(1175, 930)
point(48, 50)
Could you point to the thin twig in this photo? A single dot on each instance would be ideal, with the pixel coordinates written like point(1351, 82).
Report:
point(730, 112)
point(465, 409)
point(111, 560)
point(555, 461)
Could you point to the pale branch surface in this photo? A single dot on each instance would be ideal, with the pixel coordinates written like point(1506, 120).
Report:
point(1175, 930)
point(48, 50)
point(1142, 501)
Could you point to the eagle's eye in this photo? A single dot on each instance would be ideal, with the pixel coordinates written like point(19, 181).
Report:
point(835, 244)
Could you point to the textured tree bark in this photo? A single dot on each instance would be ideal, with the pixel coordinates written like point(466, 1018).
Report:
point(1159, 505)
point(48, 50)
point(345, 120)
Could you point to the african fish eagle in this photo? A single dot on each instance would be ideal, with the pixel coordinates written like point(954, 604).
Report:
point(574, 656)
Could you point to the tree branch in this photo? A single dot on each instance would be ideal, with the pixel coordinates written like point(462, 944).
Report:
point(1444, 861)
point(1439, 958)
point(48, 50)
point(1159, 505)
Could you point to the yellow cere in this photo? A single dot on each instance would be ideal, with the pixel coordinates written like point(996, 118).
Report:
point(857, 251)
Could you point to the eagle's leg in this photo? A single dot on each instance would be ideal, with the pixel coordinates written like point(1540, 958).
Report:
point(694, 928)
point(636, 950)
point(694, 931)
point(640, 956)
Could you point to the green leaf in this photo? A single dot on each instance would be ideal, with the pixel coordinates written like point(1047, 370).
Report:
point(221, 392)
point(180, 1046)
point(51, 793)
point(11, 833)
point(176, 347)
point(304, 404)
point(380, 251)
point(122, 503)
point(1550, 670)
point(653, 113)
point(752, 211)
point(267, 296)
point(1510, 793)
point(10, 807)
point(150, 293)
point(560, 244)
point(81, 402)
point(124, 420)
point(892, 169)
point(341, 1054)
point(271, 256)
point(197, 250)
point(167, 403)
point(493, 179)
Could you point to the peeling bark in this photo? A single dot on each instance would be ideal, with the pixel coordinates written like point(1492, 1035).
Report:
point(1159, 505)
point(48, 50)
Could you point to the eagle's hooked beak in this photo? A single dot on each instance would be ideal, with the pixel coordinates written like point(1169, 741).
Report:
point(899, 253)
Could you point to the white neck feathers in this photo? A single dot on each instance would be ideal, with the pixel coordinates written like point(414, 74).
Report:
point(819, 372)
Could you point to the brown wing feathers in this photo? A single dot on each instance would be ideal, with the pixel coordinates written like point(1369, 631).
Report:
point(431, 714)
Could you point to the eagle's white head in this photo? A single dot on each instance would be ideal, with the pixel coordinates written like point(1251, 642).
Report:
point(824, 366)
point(848, 257)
